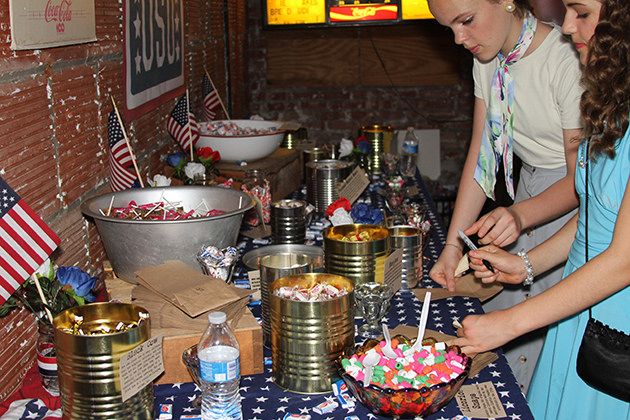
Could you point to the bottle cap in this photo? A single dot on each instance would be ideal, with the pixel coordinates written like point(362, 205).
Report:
point(217, 317)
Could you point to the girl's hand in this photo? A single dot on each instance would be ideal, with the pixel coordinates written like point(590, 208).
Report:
point(443, 271)
point(500, 227)
point(486, 332)
point(508, 268)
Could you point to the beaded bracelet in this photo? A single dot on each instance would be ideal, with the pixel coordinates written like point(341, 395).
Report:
point(528, 268)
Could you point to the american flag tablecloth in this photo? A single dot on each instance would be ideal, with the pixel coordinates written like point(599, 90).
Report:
point(262, 399)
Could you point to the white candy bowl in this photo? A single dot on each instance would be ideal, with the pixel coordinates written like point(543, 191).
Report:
point(234, 148)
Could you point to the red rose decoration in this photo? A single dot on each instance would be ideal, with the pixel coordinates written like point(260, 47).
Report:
point(342, 202)
point(205, 153)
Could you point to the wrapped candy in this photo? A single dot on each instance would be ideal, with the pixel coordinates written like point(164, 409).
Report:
point(217, 263)
point(318, 293)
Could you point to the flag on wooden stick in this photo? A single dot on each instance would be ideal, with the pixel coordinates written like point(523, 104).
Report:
point(122, 175)
point(25, 241)
point(178, 124)
point(211, 99)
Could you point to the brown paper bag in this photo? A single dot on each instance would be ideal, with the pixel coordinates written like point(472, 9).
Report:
point(467, 285)
point(187, 288)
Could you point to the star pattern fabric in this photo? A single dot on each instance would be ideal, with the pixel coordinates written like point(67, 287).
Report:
point(262, 399)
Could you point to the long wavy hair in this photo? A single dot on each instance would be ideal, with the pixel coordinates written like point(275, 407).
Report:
point(605, 102)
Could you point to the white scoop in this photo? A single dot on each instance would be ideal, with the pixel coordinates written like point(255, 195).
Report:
point(371, 359)
point(424, 316)
point(388, 350)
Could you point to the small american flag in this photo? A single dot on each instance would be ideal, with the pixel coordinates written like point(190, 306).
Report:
point(122, 177)
point(25, 241)
point(177, 124)
point(211, 100)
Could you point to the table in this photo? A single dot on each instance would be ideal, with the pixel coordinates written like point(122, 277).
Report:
point(262, 399)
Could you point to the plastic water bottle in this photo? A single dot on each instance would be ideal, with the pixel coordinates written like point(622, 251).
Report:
point(220, 371)
point(409, 155)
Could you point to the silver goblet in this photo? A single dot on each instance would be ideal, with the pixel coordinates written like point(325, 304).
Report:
point(372, 300)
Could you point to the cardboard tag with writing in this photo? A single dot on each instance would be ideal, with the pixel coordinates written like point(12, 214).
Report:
point(480, 401)
point(353, 186)
point(254, 283)
point(140, 366)
point(393, 270)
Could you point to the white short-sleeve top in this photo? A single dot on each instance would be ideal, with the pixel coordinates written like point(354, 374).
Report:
point(546, 99)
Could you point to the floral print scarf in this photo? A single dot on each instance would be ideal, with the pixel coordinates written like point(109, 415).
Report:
point(497, 137)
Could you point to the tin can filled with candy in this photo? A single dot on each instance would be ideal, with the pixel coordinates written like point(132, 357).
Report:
point(312, 324)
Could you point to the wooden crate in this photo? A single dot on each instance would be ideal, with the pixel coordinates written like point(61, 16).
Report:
point(248, 333)
point(282, 167)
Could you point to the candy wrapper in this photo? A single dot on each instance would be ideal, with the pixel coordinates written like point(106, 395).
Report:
point(318, 293)
point(340, 217)
point(365, 214)
point(395, 183)
point(217, 263)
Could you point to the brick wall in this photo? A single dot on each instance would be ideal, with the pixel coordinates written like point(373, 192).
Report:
point(331, 112)
point(54, 105)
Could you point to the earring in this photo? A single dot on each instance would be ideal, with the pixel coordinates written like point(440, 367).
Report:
point(510, 7)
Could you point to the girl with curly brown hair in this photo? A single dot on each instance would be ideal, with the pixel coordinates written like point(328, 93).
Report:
point(600, 31)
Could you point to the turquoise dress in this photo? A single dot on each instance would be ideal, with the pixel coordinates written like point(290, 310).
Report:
point(557, 392)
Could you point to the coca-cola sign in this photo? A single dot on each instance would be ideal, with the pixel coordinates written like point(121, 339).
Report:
point(51, 23)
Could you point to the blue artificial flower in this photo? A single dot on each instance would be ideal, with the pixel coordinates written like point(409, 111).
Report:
point(364, 213)
point(364, 147)
point(377, 217)
point(176, 160)
point(80, 281)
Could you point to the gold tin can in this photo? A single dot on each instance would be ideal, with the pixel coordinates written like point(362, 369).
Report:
point(362, 262)
point(380, 138)
point(307, 338)
point(88, 365)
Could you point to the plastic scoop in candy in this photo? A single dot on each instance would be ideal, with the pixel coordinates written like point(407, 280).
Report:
point(424, 316)
point(371, 359)
point(388, 350)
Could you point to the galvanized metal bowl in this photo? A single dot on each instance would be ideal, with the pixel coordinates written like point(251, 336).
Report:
point(133, 244)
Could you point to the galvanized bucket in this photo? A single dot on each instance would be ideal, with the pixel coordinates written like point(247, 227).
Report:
point(88, 365)
point(273, 267)
point(322, 177)
point(361, 262)
point(288, 222)
point(308, 337)
point(409, 239)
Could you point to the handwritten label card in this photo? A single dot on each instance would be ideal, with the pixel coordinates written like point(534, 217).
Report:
point(353, 186)
point(480, 401)
point(140, 366)
point(254, 283)
point(393, 270)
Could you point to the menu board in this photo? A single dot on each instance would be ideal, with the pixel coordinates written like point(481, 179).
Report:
point(343, 12)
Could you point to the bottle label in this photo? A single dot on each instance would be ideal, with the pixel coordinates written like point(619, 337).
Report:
point(219, 371)
point(410, 148)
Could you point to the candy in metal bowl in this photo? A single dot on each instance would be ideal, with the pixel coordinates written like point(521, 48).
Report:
point(406, 402)
point(133, 244)
point(261, 140)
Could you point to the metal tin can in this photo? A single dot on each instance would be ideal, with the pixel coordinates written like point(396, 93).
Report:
point(307, 338)
point(409, 239)
point(312, 153)
point(288, 221)
point(273, 267)
point(88, 365)
point(380, 138)
point(322, 177)
point(360, 261)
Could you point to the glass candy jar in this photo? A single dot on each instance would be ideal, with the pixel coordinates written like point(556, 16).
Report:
point(47, 358)
point(256, 184)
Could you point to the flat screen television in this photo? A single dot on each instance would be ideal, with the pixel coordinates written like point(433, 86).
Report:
point(321, 13)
